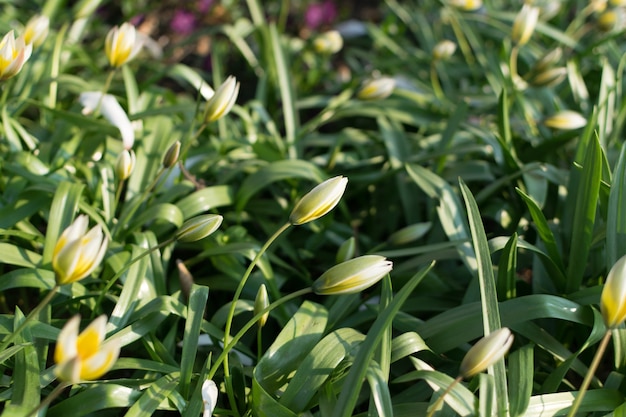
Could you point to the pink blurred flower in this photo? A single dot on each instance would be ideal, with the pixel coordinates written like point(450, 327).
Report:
point(183, 22)
point(204, 5)
point(318, 14)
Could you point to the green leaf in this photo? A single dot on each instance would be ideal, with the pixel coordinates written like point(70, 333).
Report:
point(273, 172)
point(153, 396)
point(616, 217)
point(94, 399)
point(584, 215)
point(521, 370)
point(558, 404)
point(292, 345)
point(64, 205)
point(507, 270)
point(319, 364)
point(380, 390)
point(195, 312)
point(205, 199)
point(348, 397)
point(488, 293)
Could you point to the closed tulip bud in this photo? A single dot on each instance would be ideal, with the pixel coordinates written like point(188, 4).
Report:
point(377, 89)
point(209, 397)
point(524, 24)
point(36, 30)
point(85, 356)
point(549, 60)
point(409, 234)
point(328, 43)
point(607, 21)
point(549, 77)
point(172, 155)
point(122, 44)
point(613, 299)
point(199, 227)
point(566, 120)
point(78, 253)
point(486, 352)
point(467, 5)
point(13, 54)
point(352, 276)
point(346, 250)
point(222, 101)
point(319, 201)
point(260, 303)
point(444, 50)
point(125, 164)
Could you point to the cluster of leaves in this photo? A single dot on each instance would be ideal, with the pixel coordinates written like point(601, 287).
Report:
point(491, 217)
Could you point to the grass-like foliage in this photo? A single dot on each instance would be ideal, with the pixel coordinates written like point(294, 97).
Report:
point(421, 212)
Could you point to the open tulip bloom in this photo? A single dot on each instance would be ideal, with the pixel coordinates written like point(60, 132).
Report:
point(13, 54)
point(78, 253)
point(122, 44)
point(85, 356)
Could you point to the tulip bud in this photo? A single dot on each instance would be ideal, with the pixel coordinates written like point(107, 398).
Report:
point(566, 120)
point(549, 60)
point(467, 5)
point(199, 227)
point(76, 253)
point(222, 101)
point(444, 50)
point(613, 299)
point(486, 352)
point(36, 30)
point(209, 397)
point(549, 77)
point(328, 43)
point(319, 201)
point(122, 44)
point(172, 155)
point(125, 164)
point(13, 54)
point(352, 276)
point(261, 302)
point(346, 250)
point(376, 89)
point(524, 24)
point(409, 234)
point(85, 356)
point(185, 278)
point(612, 19)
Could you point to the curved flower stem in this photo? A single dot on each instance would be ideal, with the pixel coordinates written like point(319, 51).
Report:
point(7, 341)
point(105, 89)
point(46, 402)
point(513, 63)
point(228, 347)
point(434, 80)
point(242, 283)
point(437, 403)
point(115, 277)
point(592, 370)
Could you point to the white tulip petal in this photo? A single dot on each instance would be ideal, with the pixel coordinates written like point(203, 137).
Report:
point(112, 111)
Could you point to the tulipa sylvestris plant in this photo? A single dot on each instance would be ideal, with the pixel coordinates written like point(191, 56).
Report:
point(319, 201)
point(376, 88)
point(220, 104)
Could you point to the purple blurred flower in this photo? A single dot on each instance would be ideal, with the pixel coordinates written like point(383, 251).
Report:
point(318, 14)
point(204, 5)
point(183, 22)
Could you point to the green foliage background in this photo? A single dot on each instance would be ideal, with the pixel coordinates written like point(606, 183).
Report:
point(490, 217)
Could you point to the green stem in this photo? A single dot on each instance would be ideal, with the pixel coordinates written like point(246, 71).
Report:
point(437, 404)
point(513, 63)
point(7, 341)
point(46, 402)
point(229, 346)
point(590, 373)
point(242, 283)
point(115, 277)
point(136, 203)
point(434, 80)
point(105, 89)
